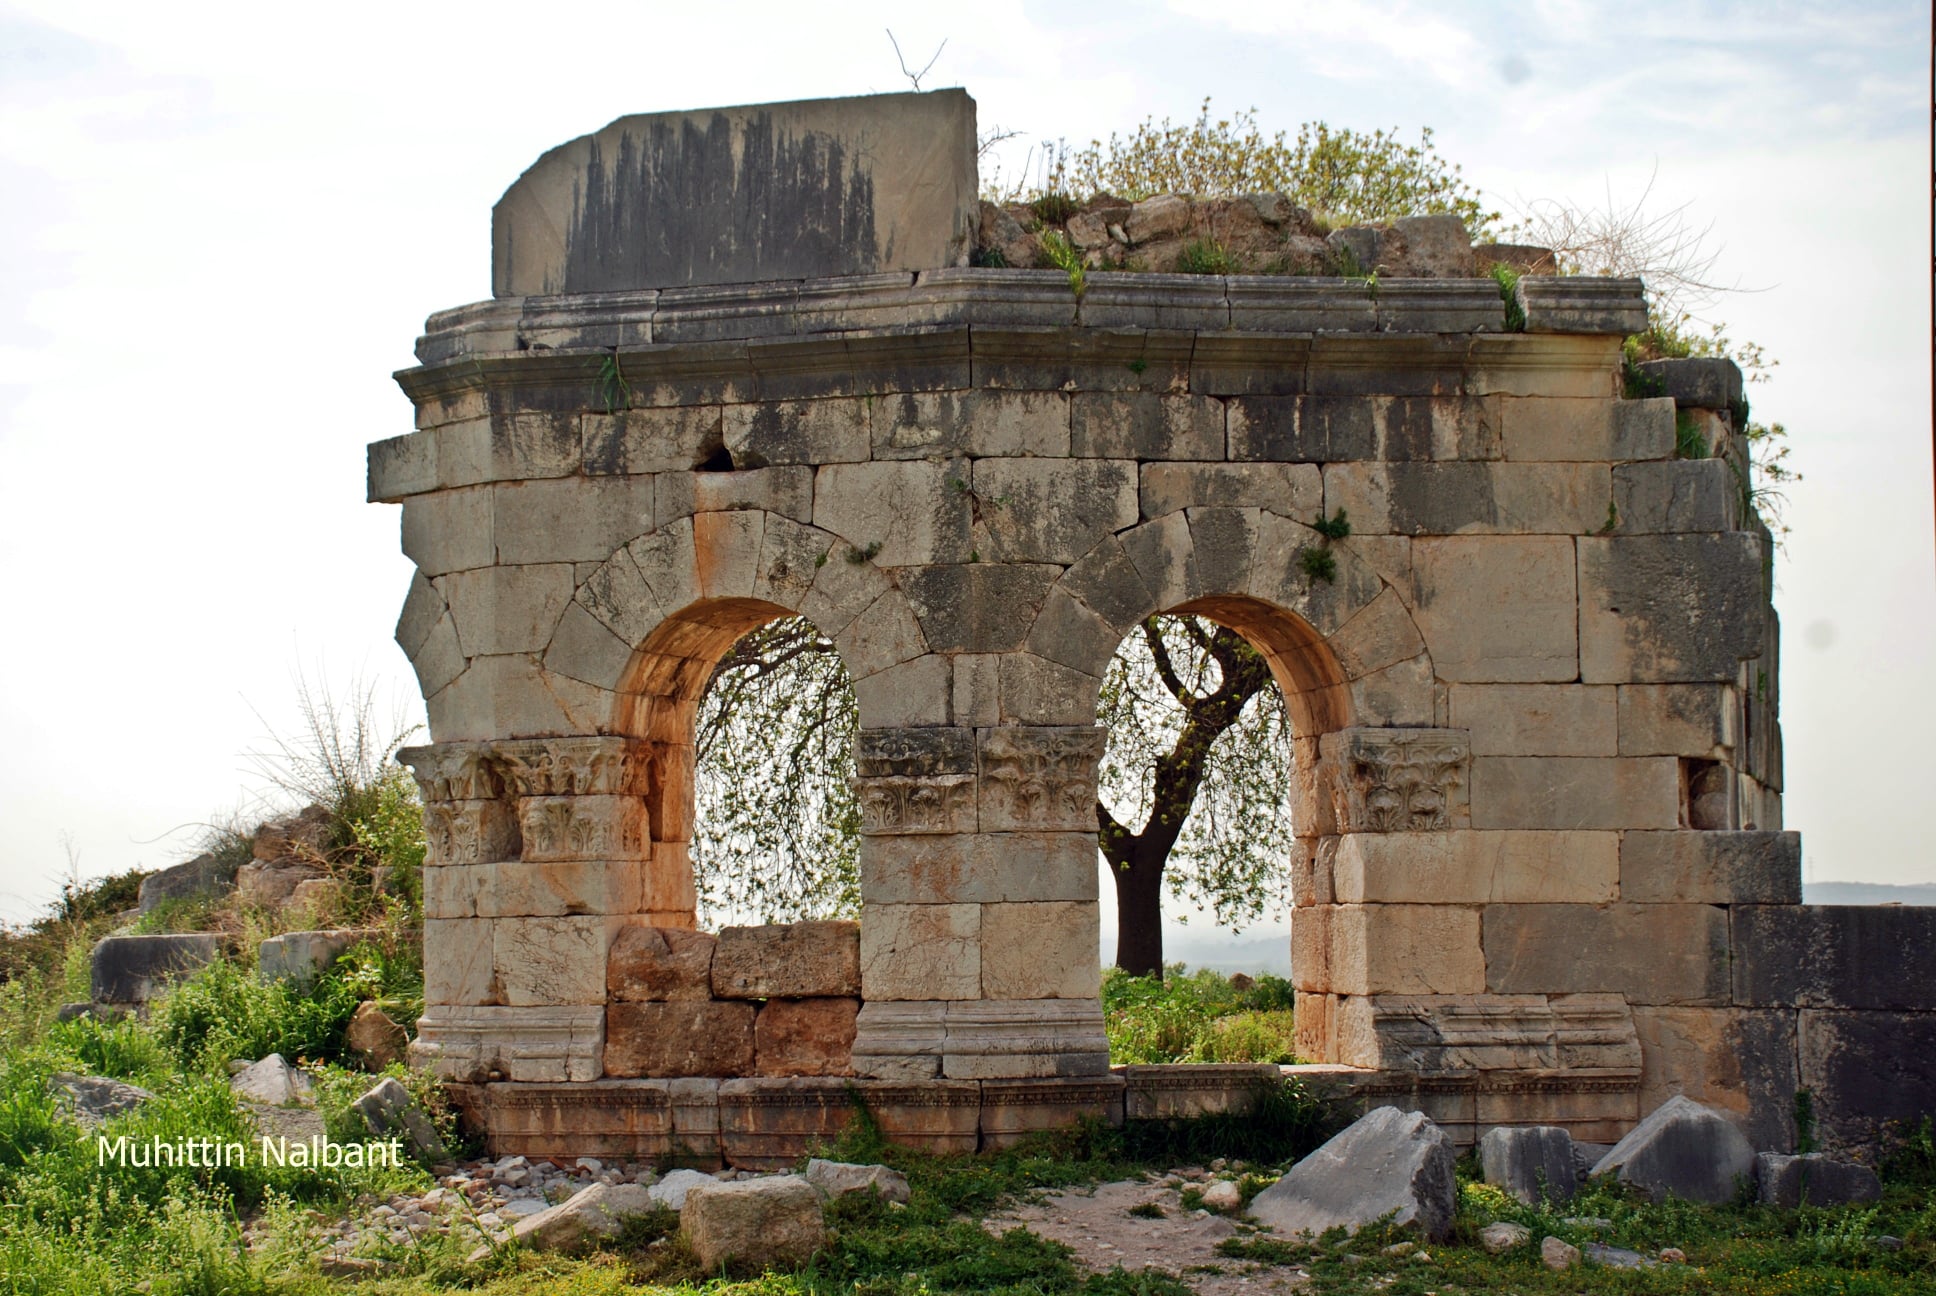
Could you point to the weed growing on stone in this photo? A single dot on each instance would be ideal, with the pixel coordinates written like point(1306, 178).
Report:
point(1063, 255)
point(1508, 280)
point(1205, 257)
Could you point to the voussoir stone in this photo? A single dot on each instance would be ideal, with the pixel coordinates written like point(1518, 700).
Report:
point(788, 960)
point(1684, 1150)
point(650, 964)
point(756, 1224)
point(1388, 1163)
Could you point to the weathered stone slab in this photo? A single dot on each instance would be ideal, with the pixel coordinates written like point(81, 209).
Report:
point(1677, 719)
point(1530, 1162)
point(1444, 1035)
point(1581, 304)
point(978, 868)
point(1044, 949)
point(390, 1111)
point(1304, 429)
point(756, 1223)
point(805, 1037)
point(1738, 868)
point(836, 1179)
point(472, 1043)
point(1574, 793)
point(1498, 608)
point(1390, 1163)
point(1653, 954)
point(1682, 1150)
point(1676, 495)
point(129, 969)
point(301, 957)
point(592, 1215)
point(1420, 949)
point(618, 1118)
point(94, 1099)
point(1145, 426)
point(1467, 867)
point(1292, 490)
point(1030, 510)
point(1011, 1110)
point(1814, 1180)
point(681, 1038)
point(1668, 609)
point(1833, 956)
point(556, 960)
point(814, 432)
point(737, 195)
point(1538, 719)
point(978, 607)
point(649, 964)
point(1702, 383)
point(1869, 1072)
point(769, 1124)
point(1586, 429)
point(1181, 1091)
point(907, 513)
point(197, 879)
point(790, 960)
point(995, 1039)
point(921, 951)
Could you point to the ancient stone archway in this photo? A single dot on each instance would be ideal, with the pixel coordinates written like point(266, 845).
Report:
point(1533, 688)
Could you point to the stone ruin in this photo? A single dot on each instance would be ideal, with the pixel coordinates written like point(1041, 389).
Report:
point(738, 365)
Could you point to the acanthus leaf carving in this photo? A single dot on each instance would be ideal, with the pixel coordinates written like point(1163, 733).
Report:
point(1402, 780)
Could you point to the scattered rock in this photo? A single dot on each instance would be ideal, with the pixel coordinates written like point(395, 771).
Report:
point(1683, 1150)
point(1354, 247)
point(200, 878)
point(1618, 1257)
point(1164, 216)
point(1557, 1255)
point(1528, 1160)
point(274, 1083)
point(1223, 1196)
point(671, 1190)
point(1591, 1223)
point(838, 1178)
point(1388, 1163)
point(301, 836)
point(391, 1112)
point(1886, 1243)
point(272, 886)
point(93, 1099)
point(313, 896)
point(129, 969)
point(301, 957)
point(1427, 247)
point(758, 1223)
point(74, 1011)
point(376, 1038)
point(1673, 1255)
point(1814, 1179)
point(1503, 1236)
point(588, 1217)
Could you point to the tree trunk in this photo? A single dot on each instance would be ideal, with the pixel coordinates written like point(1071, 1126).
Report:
point(1139, 916)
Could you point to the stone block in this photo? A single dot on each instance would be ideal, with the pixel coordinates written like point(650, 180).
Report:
point(1701, 383)
point(1568, 792)
point(996, 1039)
point(882, 637)
point(978, 868)
point(1682, 1150)
point(1303, 429)
point(859, 185)
point(1476, 867)
point(837, 1179)
point(1223, 543)
point(130, 969)
point(1581, 304)
point(982, 423)
point(1404, 949)
point(1814, 1180)
point(1067, 632)
point(1653, 954)
point(1869, 1072)
point(907, 513)
point(400, 467)
point(1702, 1053)
point(978, 607)
point(786, 490)
point(451, 530)
point(916, 692)
point(605, 1118)
point(1389, 1164)
point(1040, 511)
point(679, 1038)
point(1538, 719)
point(977, 689)
point(830, 431)
point(475, 1043)
point(755, 1224)
point(1039, 778)
point(457, 962)
point(1013, 1109)
point(1677, 719)
point(1469, 497)
point(800, 960)
point(559, 960)
point(1596, 430)
point(1108, 583)
point(1676, 495)
point(301, 957)
point(1532, 1162)
point(584, 827)
point(1404, 695)
point(1497, 608)
point(1832, 956)
point(1145, 426)
point(1292, 490)
point(805, 1037)
point(423, 609)
point(1438, 427)
point(915, 753)
point(1164, 216)
point(1379, 636)
point(1181, 1091)
point(583, 648)
point(921, 951)
point(1043, 949)
point(515, 446)
point(1732, 868)
point(1037, 691)
point(770, 1123)
point(567, 519)
point(649, 964)
point(200, 878)
point(1670, 609)
point(508, 609)
point(672, 439)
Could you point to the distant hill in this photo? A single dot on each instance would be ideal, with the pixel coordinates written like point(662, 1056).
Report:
point(1868, 893)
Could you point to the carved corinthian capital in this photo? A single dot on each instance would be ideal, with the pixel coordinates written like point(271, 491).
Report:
point(1399, 780)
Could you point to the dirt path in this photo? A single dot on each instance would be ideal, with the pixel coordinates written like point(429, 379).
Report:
point(1098, 1227)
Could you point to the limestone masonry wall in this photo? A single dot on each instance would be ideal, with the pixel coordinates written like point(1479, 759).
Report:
point(1540, 871)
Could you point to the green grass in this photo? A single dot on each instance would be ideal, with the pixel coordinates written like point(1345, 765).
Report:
point(1199, 1017)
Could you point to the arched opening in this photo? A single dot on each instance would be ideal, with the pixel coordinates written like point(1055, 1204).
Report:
point(750, 716)
point(1206, 797)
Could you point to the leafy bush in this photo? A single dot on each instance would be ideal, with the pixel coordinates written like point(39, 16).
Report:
point(1199, 1017)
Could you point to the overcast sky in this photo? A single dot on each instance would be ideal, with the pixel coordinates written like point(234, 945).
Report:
point(222, 227)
